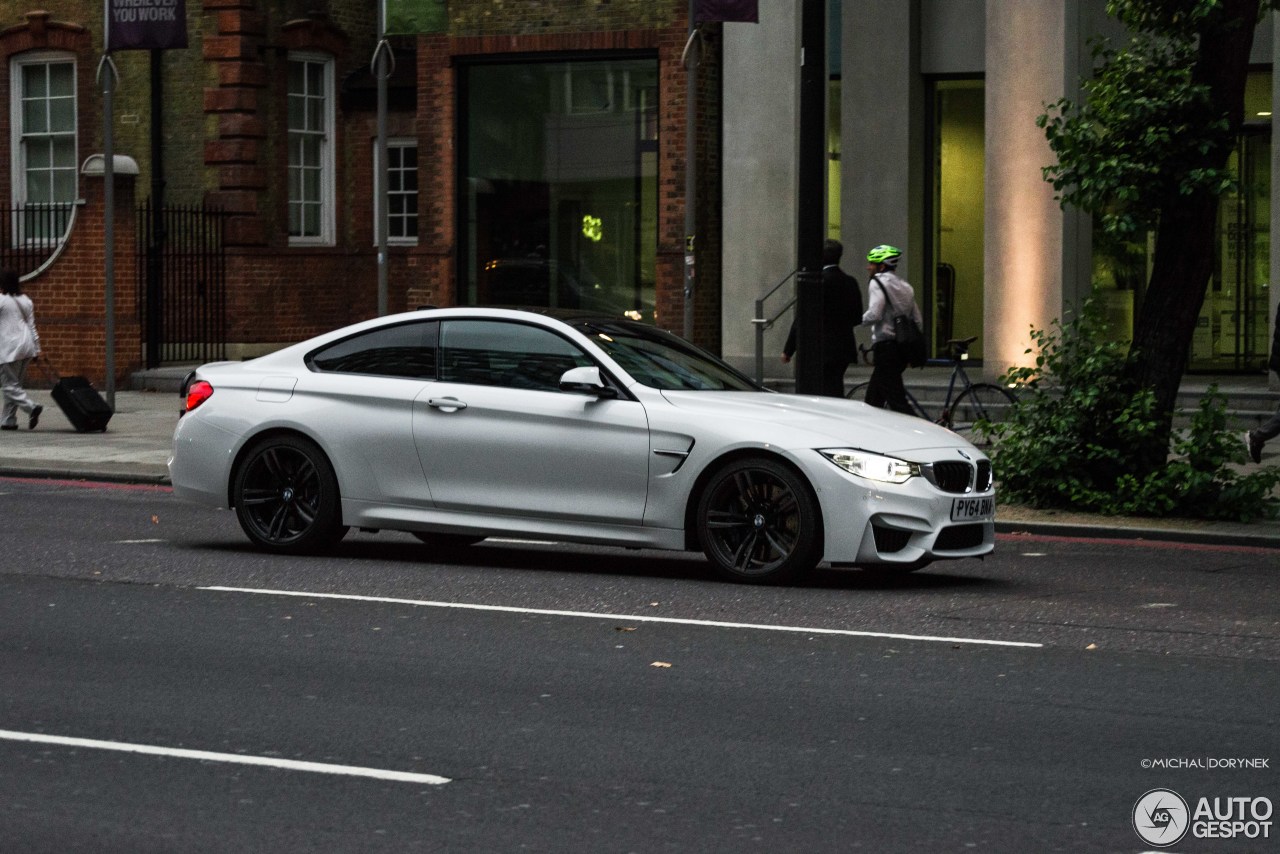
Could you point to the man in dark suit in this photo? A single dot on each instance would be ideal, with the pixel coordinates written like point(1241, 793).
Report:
point(842, 311)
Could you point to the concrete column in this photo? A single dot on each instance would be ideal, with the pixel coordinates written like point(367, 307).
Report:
point(1027, 61)
point(761, 96)
point(882, 135)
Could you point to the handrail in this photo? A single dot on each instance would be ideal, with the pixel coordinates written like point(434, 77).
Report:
point(762, 323)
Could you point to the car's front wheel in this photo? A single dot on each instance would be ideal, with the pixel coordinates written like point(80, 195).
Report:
point(286, 496)
point(758, 521)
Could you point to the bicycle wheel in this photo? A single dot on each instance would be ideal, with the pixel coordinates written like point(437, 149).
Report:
point(858, 391)
point(978, 403)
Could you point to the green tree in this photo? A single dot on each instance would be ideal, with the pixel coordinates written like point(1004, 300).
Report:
point(1148, 149)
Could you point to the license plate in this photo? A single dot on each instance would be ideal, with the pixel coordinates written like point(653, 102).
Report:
point(969, 509)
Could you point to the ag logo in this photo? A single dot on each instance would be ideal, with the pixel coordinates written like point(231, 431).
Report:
point(1161, 817)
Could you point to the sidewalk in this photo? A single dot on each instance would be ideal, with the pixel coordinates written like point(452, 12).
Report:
point(135, 449)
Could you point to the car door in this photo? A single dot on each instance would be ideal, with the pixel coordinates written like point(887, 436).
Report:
point(496, 434)
point(359, 396)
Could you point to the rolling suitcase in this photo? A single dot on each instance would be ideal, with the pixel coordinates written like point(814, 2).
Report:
point(79, 401)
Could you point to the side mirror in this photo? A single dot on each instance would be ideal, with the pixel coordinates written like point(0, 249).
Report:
point(585, 381)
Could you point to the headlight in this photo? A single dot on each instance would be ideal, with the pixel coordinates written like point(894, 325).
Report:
point(872, 466)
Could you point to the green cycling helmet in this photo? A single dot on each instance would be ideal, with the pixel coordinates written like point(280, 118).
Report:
point(885, 254)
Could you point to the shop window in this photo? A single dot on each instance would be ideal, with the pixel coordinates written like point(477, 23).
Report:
point(559, 184)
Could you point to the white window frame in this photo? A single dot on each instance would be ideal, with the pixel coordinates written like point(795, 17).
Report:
point(396, 143)
point(327, 195)
point(19, 138)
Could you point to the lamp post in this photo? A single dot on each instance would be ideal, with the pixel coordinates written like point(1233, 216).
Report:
point(811, 208)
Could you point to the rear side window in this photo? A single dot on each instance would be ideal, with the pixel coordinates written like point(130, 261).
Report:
point(406, 350)
point(514, 355)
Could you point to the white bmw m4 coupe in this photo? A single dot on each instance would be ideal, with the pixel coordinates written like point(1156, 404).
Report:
point(457, 424)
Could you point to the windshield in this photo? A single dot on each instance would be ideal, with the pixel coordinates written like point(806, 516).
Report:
point(663, 361)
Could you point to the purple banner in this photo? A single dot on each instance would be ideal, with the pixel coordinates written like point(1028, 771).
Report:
point(706, 11)
point(146, 24)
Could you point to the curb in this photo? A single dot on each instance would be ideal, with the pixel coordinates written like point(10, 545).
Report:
point(101, 476)
point(1132, 532)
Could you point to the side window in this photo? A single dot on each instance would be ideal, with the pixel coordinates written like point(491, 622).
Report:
point(407, 350)
point(486, 352)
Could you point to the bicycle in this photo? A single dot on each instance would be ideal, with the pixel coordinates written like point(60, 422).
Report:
point(975, 402)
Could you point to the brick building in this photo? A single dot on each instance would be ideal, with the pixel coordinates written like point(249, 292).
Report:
point(536, 155)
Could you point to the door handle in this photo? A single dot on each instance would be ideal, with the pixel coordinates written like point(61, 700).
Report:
point(448, 404)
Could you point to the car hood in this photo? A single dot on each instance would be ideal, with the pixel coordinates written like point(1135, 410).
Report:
point(813, 421)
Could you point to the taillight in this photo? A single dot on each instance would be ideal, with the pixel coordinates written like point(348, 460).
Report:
point(197, 393)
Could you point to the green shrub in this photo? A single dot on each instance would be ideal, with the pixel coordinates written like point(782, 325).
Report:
point(1071, 441)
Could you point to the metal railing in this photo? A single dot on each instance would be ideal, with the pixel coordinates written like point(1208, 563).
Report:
point(33, 233)
point(763, 323)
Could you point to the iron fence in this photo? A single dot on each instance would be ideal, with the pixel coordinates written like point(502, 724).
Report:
point(182, 293)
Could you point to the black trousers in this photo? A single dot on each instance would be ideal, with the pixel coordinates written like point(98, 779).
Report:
point(885, 386)
point(833, 378)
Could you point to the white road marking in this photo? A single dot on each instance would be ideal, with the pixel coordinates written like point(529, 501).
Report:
point(208, 756)
point(135, 542)
point(639, 618)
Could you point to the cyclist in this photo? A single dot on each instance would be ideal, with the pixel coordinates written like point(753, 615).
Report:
point(888, 295)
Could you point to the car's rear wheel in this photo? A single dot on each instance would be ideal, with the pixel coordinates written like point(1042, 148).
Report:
point(286, 496)
point(758, 521)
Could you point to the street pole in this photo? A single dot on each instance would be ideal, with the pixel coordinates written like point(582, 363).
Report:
point(811, 207)
point(692, 54)
point(381, 71)
point(107, 76)
point(155, 302)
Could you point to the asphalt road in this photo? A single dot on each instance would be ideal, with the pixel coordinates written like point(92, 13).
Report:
point(517, 696)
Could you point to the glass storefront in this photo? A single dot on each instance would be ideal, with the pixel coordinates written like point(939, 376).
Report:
point(1232, 330)
point(559, 194)
point(953, 304)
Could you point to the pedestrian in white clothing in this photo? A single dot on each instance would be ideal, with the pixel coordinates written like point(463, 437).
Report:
point(19, 344)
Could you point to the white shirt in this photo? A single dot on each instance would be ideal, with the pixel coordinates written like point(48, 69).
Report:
point(879, 314)
point(18, 336)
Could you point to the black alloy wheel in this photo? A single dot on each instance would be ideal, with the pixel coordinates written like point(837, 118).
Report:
point(758, 521)
point(286, 496)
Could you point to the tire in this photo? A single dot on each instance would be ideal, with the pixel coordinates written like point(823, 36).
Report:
point(447, 541)
point(980, 402)
point(858, 391)
point(759, 522)
point(286, 496)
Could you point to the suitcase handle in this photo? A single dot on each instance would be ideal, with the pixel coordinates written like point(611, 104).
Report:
point(47, 368)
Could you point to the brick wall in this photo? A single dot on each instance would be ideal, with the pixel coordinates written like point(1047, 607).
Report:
point(70, 295)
